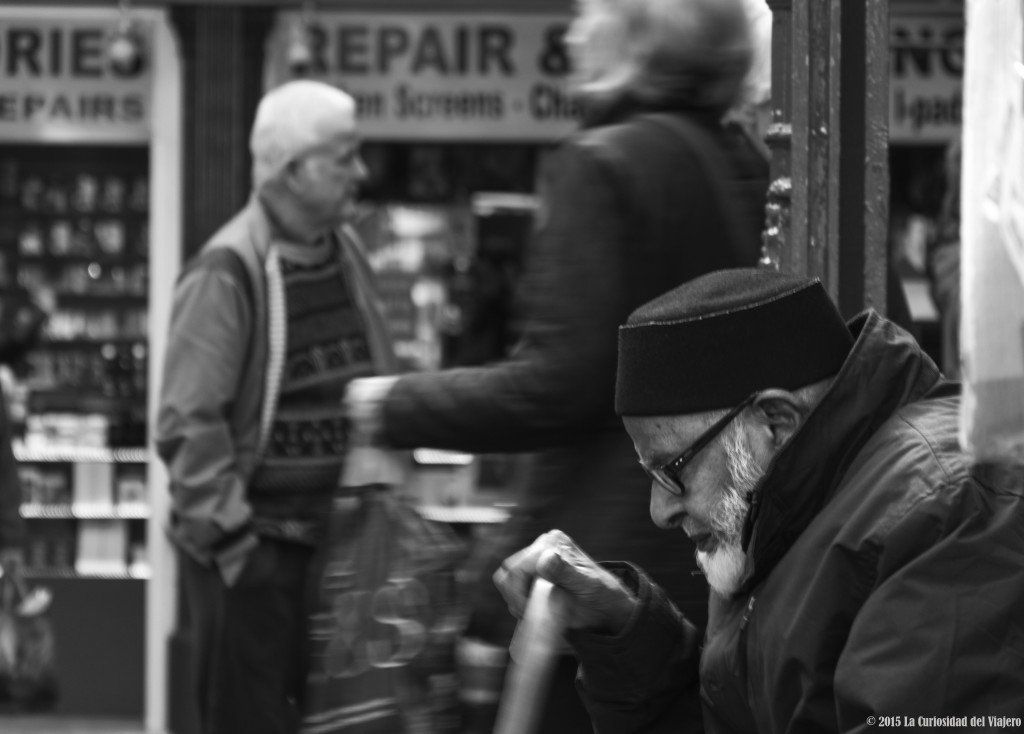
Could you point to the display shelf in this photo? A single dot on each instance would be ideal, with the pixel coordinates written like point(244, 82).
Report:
point(101, 300)
point(53, 398)
point(37, 511)
point(76, 221)
point(91, 341)
point(103, 258)
point(439, 457)
point(76, 454)
point(43, 574)
point(54, 392)
point(463, 514)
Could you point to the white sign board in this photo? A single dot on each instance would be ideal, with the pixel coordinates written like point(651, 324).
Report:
point(926, 78)
point(438, 76)
point(57, 83)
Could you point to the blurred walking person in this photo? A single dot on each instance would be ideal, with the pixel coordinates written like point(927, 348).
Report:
point(269, 322)
point(653, 190)
point(943, 264)
point(23, 315)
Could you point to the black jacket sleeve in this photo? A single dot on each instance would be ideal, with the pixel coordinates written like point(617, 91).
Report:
point(645, 679)
point(559, 379)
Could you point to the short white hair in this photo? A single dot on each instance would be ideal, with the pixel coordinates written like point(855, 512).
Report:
point(294, 118)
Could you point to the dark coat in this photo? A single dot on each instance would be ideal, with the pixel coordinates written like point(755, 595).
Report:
point(626, 214)
point(888, 578)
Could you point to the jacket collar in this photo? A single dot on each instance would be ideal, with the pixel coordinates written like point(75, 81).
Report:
point(598, 111)
point(884, 371)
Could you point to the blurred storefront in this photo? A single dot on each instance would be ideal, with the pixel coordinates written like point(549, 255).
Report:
point(90, 210)
point(925, 107)
point(457, 110)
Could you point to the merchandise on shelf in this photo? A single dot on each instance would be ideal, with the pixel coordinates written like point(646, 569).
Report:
point(86, 509)
point(74, 221)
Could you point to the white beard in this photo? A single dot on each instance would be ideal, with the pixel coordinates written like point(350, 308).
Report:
point(726, 565)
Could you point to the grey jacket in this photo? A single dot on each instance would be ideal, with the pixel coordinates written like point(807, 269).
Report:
point(222, 375)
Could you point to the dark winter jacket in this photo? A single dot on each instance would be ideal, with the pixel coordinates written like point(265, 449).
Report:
point(888, 578)
point(626, 213)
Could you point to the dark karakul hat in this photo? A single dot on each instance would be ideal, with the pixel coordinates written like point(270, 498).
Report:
point(709, 343)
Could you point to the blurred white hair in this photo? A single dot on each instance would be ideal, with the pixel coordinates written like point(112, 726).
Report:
point(757, 86)
point(693, 51)
point(293, 118)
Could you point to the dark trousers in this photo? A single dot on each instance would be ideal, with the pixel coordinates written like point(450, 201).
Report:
point(249, 641)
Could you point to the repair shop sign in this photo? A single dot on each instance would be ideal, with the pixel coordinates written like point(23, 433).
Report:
point(58, 83)
point(437, 76)
point(926, 78)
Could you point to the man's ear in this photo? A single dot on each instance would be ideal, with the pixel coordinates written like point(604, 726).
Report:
point(290, 177)
point(285, 182)
point(781, 412)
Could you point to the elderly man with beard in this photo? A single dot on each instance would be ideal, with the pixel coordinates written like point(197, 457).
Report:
point(861, 566)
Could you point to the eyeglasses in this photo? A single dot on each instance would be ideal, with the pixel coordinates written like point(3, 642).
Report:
point(667, 475)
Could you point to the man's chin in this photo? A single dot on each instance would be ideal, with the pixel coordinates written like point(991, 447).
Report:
point(724, 568)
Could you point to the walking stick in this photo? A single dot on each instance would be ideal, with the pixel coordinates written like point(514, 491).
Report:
point(533, 652)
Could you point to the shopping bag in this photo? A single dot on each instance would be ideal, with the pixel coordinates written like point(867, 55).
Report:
point(27, 678)
point(387, 616)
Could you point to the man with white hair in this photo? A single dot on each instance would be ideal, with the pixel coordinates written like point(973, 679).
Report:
point(270, 321)
point(864, 573)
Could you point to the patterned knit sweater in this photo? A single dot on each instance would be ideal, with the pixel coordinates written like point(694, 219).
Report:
point(326, 347)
